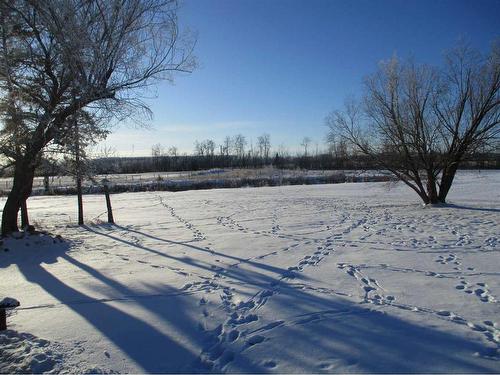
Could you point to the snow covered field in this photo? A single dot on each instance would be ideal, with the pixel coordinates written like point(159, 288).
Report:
point(188, 180)
point(324, 278)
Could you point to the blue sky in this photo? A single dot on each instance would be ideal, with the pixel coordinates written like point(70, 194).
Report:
point(279, 66)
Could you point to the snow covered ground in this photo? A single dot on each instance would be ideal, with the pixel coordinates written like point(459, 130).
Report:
point(324, 278)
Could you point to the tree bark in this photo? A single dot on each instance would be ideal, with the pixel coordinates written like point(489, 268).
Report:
point(3, 320)
point(25, 222)
point(432, 193)
point(446, 181)
point(78, 170)
point(80, 199)
point(24, 172)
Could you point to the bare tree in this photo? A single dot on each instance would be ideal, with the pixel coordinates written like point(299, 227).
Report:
point(227, 145)
point(264, 145)
point(157, 150)
point(338, 148)
point(199, 149)
point(421, 122)
point(239, 143)
point(173, 151)
point(251, 151)
point(267, 146)
point(306, 142)
point(58, 57)
point(209, 147)
point(283, 151)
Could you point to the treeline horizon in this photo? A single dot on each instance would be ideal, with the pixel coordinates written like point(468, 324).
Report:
point(177, 163)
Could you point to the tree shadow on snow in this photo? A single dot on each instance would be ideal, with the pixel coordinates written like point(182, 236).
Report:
point(142, 341)
point(188, 260)
point(462, 207)
point(331, 334)
point(315, 325)
point(32, 249)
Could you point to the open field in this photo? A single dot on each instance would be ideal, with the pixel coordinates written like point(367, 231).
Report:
point(323, 278)
point(204, 179)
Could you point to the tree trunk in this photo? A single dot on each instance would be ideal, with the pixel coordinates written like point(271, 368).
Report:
point(432, 193)
point(422, 194)
point(108, 205)
point(25, 222)
point(24, 171)
point(3, 320)
point(446, 181)
point(80, 200)
point(78, 170)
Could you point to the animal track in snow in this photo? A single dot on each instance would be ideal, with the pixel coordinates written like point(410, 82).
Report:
point(308, 260)
point(257, 339)
point(483, 293)
point(434, 274)
point(368, 285)
point(238, 332)
point(491, 242)
point(480, 290)
point(270, 364)
point(450, 258)
point(197, 234)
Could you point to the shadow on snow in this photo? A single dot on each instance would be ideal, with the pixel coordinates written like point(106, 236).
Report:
point(341, 331)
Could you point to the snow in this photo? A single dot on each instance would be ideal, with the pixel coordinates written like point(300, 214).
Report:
point(324, 278)
point(24, 353)
point(193, 180)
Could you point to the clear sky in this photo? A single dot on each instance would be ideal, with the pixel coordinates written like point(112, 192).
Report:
point(279, 66)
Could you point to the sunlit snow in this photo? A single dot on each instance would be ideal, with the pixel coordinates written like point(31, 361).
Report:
point(328, 278)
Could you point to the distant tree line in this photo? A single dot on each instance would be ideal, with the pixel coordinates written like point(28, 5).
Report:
point(233, 152)
point(237, 152)
point(167, 163)
point(324, 161)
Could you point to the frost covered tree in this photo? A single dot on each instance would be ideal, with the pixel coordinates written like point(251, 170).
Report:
point(58, 57)
point(420, 122)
